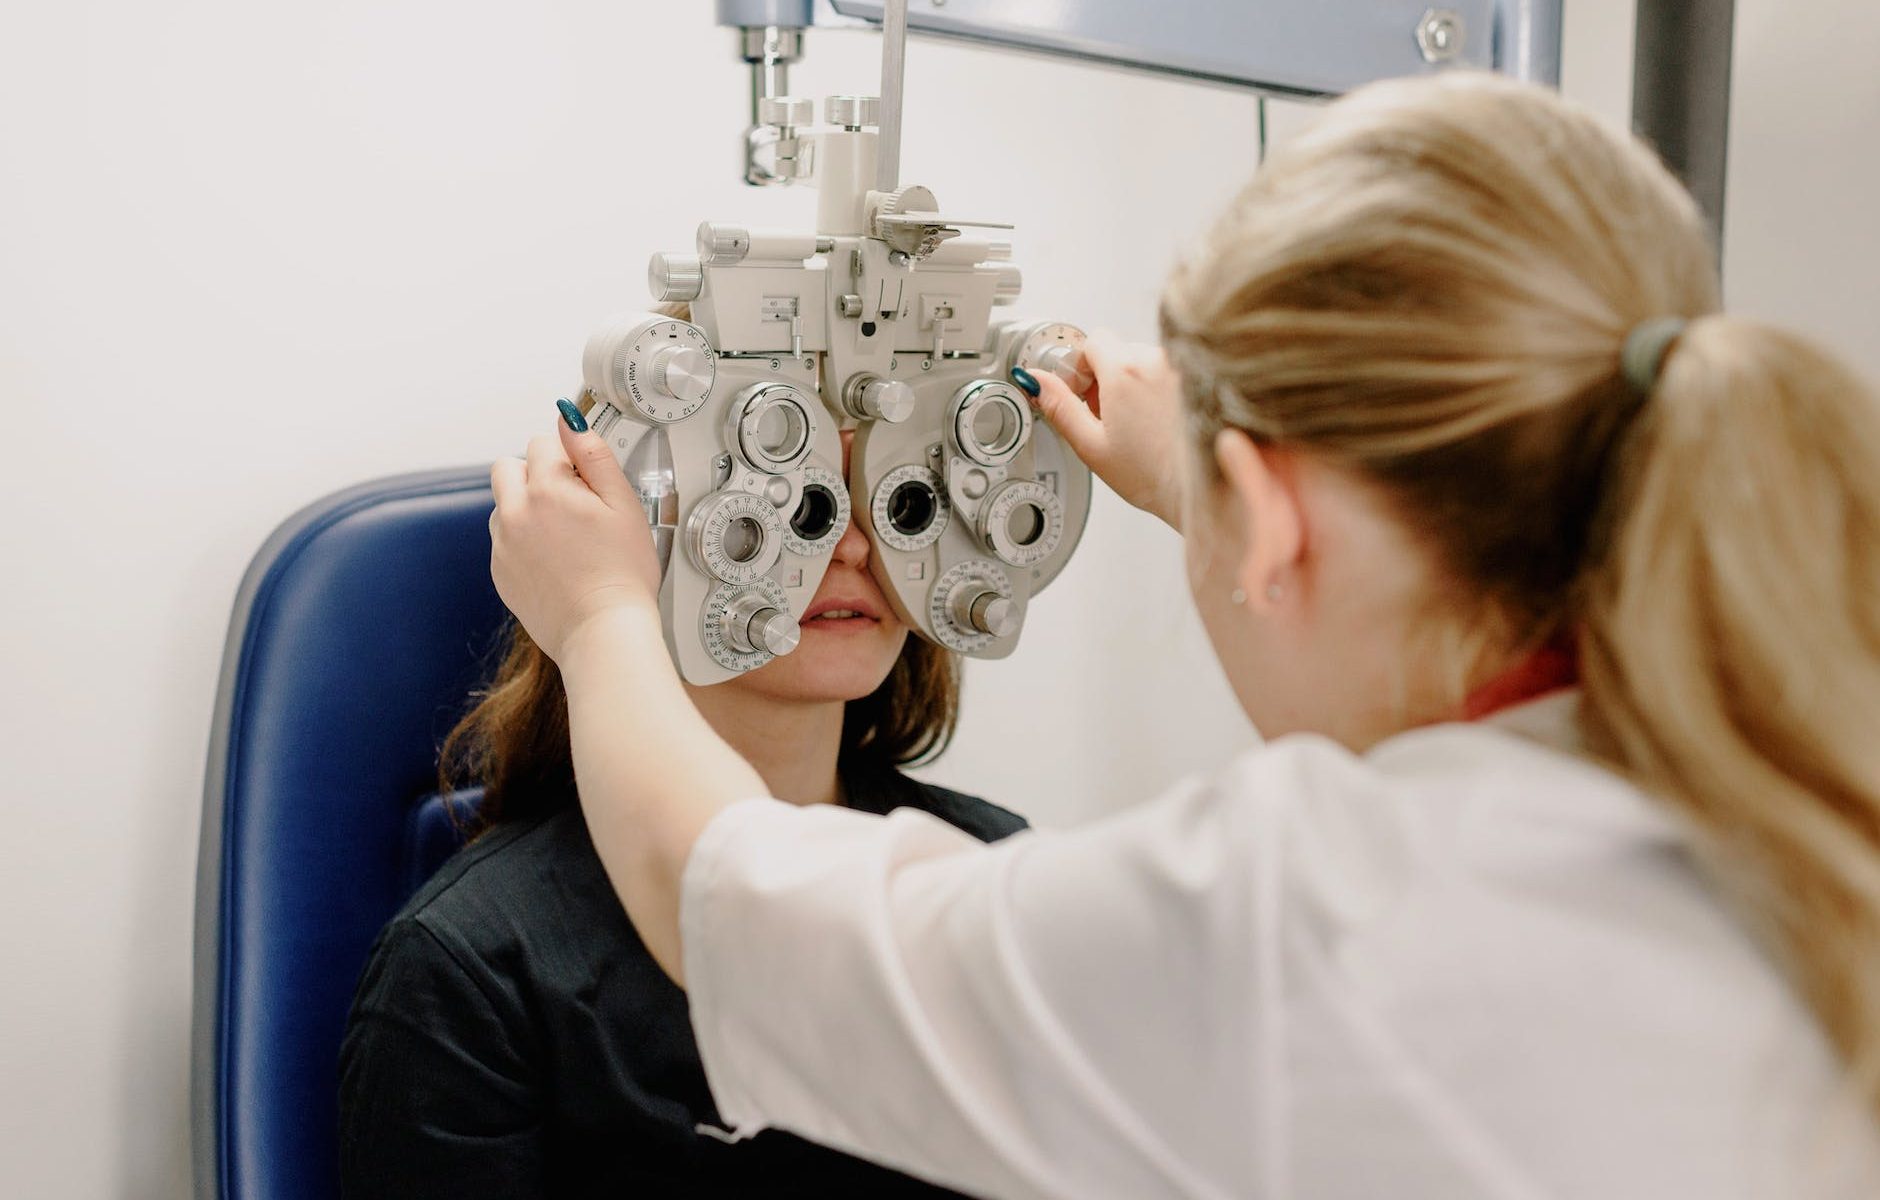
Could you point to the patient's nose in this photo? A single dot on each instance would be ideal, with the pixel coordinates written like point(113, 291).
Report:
point(852, 549)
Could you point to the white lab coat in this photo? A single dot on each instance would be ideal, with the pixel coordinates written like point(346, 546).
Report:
point(1469, 963)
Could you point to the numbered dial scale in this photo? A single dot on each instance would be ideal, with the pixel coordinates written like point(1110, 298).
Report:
point(1057, 347)
point(745, 627)
point(972, 606)
point(731, 456)
point(661, 370)
point(734, 536)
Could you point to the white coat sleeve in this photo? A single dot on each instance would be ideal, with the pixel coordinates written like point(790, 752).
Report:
point(1070, 1014)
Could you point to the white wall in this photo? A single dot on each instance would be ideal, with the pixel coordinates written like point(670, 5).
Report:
point(253, 253)
point(1801, 216)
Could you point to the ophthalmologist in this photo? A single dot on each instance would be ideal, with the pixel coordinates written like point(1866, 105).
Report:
point(1557, 596)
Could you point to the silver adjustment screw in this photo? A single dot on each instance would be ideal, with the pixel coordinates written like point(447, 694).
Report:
point(852, 112)
point(683, 372)
point(985, 611)
point(851, 306)
point(887, 400)
point(1440, 35)
point(786, 112)
point(675, 278)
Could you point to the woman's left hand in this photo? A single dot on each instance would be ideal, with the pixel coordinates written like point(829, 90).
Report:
point(569, 540)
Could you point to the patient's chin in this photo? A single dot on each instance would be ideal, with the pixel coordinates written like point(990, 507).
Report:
point(829, 665)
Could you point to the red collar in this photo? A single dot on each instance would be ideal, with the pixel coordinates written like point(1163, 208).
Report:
point(1552, 668)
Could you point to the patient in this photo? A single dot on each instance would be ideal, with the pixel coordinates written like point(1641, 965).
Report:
point(511, 1036)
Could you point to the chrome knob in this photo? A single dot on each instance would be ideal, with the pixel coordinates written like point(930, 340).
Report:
point(1067, 363)
point(852, 112)
point(675, 278)
point(888, 400)
point(721, 243)
point(875, 399)
point(753, 623)
point(983, 610)
point(683, 372)
point(775, 631)
point(787, 111)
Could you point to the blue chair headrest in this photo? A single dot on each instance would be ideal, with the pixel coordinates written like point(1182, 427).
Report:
point(358, 634)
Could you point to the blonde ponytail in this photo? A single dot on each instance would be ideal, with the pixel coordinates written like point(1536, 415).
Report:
point(1433, 289)
point(1730, 645)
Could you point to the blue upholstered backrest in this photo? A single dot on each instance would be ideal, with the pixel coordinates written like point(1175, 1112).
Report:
point(358, 633)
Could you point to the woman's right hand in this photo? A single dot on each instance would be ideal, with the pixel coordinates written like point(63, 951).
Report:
point(569, 543)
point(1126, 428)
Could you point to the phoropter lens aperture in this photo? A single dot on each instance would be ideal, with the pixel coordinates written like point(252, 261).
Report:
point(744, 537)
point(911, 508)
point(1026, 524)
point(815, 513)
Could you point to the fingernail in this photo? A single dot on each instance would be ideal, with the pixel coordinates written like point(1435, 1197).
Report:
point(1025, 380)
point(572, 415)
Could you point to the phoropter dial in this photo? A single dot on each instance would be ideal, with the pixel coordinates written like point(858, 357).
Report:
point(660, 369)
point(910, 508)
point(990, 423)
point(744, 627)
point(821, 516)
point(734, 536)
point(773, 426)
point(1022, 522)
point(971, 606)
point(1056, 347)
point(753, 623)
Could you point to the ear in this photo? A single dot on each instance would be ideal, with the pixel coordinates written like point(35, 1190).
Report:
point(1261, 494)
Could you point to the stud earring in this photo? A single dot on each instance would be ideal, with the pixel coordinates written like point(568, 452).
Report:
point(1238, 596)
point(1274, 592)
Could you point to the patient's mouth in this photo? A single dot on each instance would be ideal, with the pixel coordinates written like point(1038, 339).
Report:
point(840, 614)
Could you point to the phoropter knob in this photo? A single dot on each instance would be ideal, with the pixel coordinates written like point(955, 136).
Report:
point(776, 631)
point(721, 243)
point(912, 198)
point(875, 399)
point(982, 610)
point(888, 400)
point(788, 111)
point(852, 112)
point(683, 372)
point(754, 624)
point(1067, 363)
point(675, 278)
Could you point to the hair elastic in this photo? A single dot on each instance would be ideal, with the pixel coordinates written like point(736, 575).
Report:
point(1646, 348)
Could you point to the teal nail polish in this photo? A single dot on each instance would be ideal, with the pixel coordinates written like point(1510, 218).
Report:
point(572, 415)
point(1025, 380)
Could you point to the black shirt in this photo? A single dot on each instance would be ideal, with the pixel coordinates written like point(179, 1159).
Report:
point(511, 1036)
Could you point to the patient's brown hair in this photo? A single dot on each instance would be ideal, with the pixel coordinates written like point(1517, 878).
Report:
point(513, 742)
